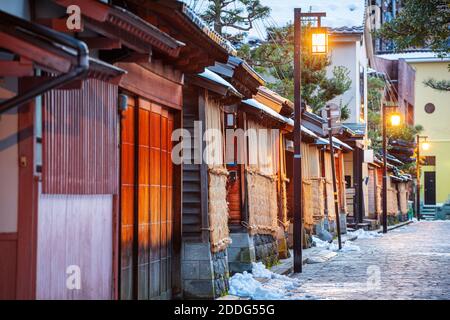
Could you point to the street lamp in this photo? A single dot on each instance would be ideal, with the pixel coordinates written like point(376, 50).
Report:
point(425, 146)
point(319, 41)
point(318, 46)
point(395, 120)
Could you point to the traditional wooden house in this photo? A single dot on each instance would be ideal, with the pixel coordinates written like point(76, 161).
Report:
point(264, 178)
point(92, 130)
point(59, 138)
point(319, 211)
point(375, 184)
point(207, 98)
point(354, 175)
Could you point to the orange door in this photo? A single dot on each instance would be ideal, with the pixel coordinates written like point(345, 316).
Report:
point(234, 182)
point(147, 206)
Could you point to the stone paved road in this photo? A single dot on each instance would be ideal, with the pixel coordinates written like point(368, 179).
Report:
point(412, 262)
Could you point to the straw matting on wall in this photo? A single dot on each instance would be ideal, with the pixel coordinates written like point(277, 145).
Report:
point(317, 200)
point(402, 189)
point(330, 200)
point(284, 218)
point(218, 209)
point(379, 203)
point(262, 203)
point(392, 201)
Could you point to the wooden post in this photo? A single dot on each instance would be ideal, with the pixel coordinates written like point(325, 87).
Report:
point(202, 97)
point(384, 170)
point(297, 165)
point(333, 171)
point(418, 179)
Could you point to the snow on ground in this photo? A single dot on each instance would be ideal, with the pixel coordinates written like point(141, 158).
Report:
point(363, 234)
point(272, 287)
point(347, 246)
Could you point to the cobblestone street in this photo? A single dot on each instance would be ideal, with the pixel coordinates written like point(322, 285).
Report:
point(412, 262)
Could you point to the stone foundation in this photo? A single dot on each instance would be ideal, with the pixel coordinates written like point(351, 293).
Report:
point(241, 252)
point(204, 274)
point(266, 249)
point(221, 273)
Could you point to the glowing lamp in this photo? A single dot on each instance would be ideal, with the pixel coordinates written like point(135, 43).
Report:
point(319, 42)
point(396, 120)
point(425, 146)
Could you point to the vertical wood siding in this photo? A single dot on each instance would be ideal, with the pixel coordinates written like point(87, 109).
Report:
point(80, 146)
point(74, 230)
point(8, 265)
point(147, 188)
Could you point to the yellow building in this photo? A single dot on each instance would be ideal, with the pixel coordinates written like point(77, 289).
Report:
point(432, 111)
point(428, 107)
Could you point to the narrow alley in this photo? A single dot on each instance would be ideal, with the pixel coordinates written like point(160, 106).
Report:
point(412, 263)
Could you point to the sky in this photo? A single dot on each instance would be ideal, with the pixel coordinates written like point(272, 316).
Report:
point(339, 12)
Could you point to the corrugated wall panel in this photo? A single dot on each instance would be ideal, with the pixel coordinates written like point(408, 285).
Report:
point(80, 142)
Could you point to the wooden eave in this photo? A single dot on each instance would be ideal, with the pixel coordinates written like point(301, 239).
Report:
point(270, 100)
point(42, 53)
point(275, 101)
point(51, 58)
point(132, 31)
point(262, 117)
point(312, 124)
point(203, 46)
point(104, 71)
point(223, 93)
point(240, 75)
point(246, 80)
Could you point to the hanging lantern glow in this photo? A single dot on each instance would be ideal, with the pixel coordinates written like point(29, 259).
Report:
point(319, 41)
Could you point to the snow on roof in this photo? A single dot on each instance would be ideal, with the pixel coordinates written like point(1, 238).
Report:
point(414, 56)
point(258, 105)
point(214, 77)
point(342, 144)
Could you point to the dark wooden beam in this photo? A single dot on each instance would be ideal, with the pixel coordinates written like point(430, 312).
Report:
point(102, 43)
point(30, 49)
point(16, 68)
point(59, 24)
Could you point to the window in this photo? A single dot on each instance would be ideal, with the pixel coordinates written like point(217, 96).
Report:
point(348, 182)
point(429, 108)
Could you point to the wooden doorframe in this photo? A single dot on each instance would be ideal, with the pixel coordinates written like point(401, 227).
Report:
point(27, 201)
point(177, 204)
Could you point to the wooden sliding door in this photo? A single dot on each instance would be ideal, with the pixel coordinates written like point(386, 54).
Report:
point(146, 201)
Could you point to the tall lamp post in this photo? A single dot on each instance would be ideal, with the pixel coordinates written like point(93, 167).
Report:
point(318, 46)
point(425, 146)
point(395, 121)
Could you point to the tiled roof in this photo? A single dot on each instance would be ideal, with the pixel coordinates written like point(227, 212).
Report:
point(413, 54)
point(357, 128)
point(197, 20)
point(347, 30)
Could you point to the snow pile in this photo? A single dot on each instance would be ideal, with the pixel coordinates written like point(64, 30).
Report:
point(347, 246)
point(277, 286)
point(363, 234)
point(259, 270)
point(244, 285)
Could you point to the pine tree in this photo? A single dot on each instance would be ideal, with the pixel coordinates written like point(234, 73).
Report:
point(274, 58)
point(236, 14)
